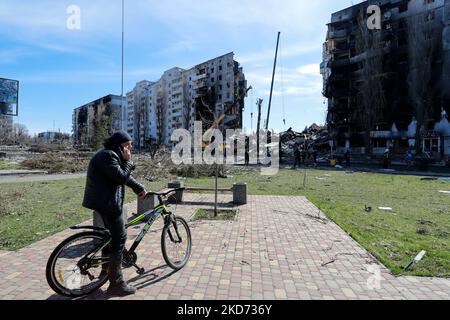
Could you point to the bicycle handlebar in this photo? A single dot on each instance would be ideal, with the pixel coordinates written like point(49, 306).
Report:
point(163, 194)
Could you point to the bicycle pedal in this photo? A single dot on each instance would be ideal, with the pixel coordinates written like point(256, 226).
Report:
point(140, 271)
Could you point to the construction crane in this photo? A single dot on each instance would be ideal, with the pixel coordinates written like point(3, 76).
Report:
point(220, 119)
point(273, 78)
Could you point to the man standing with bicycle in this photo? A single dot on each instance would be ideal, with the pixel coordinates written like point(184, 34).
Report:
point(108, 173)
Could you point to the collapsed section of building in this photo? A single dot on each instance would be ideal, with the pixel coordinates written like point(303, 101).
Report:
point(389, 88)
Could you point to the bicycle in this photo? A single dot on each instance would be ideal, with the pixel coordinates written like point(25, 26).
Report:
point(78, 266)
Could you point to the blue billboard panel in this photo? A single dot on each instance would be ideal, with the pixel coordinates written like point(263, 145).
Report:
point(9, 97)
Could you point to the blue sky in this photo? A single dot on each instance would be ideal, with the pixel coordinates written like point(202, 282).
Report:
point(60, 69)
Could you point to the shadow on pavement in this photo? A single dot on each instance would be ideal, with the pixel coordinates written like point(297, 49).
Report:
point(152, 276)
point(149, 278)
point(220, 204)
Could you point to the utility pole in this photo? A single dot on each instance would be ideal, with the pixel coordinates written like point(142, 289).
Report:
point(123, 50)
point(258, 128)
point(273, 78)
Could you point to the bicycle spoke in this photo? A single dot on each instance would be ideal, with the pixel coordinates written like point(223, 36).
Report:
point(76, 267)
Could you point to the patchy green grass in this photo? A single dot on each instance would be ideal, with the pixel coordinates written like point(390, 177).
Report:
point(208, 214)
point(5, 165)
point(30, 212)
point(420, 219)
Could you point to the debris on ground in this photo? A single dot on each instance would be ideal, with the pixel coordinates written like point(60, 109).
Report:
point(385, 208)
point(443, 191)
point(418, 258)
point(367, 209)
point(313, 138)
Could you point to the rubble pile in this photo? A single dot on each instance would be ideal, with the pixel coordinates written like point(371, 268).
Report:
point(313, 138)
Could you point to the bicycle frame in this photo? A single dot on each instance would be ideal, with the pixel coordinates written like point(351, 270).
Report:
point(154, 214)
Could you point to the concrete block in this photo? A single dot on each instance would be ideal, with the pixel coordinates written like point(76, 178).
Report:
point(240, 194)
point(147, 204)
point(178, 197)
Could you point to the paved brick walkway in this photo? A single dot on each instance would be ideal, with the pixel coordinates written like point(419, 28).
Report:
point(278, 248)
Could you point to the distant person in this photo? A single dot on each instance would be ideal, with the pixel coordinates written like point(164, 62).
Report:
point(409, 158)
point(347, 158)
point(315, 157)
point(386, 159)
point(297, 156)
point(108, 173)
point(247, 151)
point(303, 154)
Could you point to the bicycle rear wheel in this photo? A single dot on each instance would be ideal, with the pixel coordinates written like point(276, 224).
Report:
point(74, 269)
point(176, 246)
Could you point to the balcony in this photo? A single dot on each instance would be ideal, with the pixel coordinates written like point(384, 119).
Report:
point(340, 47)
point(336, 34)
point(201, 83)
point(340, 108)
point(199, 76)
point(338, 63)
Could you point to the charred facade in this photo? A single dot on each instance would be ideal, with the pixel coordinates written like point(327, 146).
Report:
point(389, 87)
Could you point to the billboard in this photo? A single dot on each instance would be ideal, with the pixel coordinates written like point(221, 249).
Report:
point(9, 97)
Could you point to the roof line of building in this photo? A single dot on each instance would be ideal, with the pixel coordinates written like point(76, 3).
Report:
point(108, 95)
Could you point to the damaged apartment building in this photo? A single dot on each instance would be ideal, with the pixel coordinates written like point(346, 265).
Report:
point(153, 110)
point(181, 97)
point(389, 88)
point(94, 121)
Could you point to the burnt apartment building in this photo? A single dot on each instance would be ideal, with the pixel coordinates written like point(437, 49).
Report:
point(96, 120)
point(389, 87)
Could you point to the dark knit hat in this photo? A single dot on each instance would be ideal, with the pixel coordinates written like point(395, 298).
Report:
point(119, 137)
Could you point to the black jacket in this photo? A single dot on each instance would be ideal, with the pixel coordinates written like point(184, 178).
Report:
point(107, 175)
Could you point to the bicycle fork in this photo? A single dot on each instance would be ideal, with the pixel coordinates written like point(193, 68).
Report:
point(171, 220)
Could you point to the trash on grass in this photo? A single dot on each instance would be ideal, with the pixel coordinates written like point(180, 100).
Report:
point(443, 191)
point(385, 208)
point(416, 259)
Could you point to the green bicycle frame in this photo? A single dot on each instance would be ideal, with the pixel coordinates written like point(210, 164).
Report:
point(154, 214)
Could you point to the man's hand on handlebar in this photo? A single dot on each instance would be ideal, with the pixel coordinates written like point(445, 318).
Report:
point(143, 195)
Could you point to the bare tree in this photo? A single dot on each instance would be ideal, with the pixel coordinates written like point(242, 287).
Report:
point(20, 133)
point(371, 100)
point(187, 108)
point(422, 49)
point(160, 119)
point(6, 132)
point(101, 125)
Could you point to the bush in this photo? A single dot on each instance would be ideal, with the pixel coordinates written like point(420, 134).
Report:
point(54, 162)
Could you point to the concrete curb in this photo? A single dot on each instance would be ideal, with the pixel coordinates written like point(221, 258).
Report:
point(20, 172)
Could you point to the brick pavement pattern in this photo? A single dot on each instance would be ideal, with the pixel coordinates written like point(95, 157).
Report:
point(277, 248)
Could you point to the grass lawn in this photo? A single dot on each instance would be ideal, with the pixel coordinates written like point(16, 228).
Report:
point(208, 214)
point(420, 219)
point(4, 165)
point(30, 212)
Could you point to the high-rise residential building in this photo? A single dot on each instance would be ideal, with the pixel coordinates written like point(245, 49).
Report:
point(153, 110)
point(182, 96)
point(95, 121)
point(389, 87)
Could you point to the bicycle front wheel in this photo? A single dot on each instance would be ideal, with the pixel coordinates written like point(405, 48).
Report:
point(75, 267)
point(176, 243)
